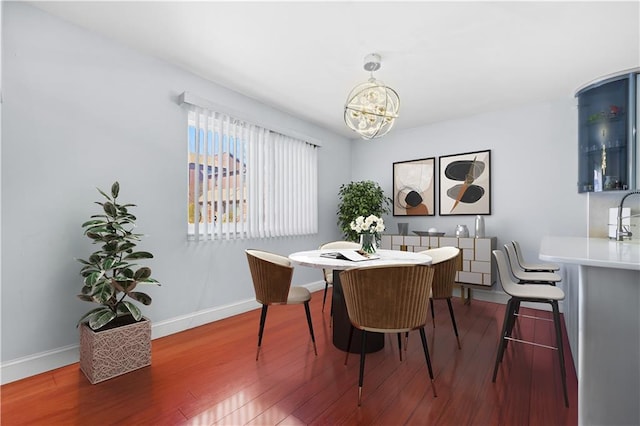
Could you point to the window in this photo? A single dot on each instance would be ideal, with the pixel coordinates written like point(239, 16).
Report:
point(246, 181)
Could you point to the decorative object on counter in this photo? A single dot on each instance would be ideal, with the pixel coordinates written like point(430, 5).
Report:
point(414, 187)
point(479, 227)
point(369, 229)
point(465, 183)
point(361, 198)
point(372, 107)
point(429, 233)
point(403, 228)
point(462, 231)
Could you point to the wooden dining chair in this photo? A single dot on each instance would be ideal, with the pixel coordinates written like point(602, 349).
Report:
point(271, 275)
point(387, 299)
point(446, 261)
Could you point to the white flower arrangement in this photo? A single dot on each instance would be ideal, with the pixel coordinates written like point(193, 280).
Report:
point(369, 225)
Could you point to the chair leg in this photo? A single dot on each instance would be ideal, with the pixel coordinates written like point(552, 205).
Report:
point(433, 315)
point(263, 318)
point(363, 353)
point(425, 347)
point(346, 358)
point(331, 313)
point(313, 338)
point(400, 345)
point(516, 311)
point(515, 308)
point(556, 321)
point(503, 333)
point(453, 320)
point(324, 298)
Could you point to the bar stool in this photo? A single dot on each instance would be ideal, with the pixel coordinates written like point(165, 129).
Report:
point(537, 293)
point(528, 277)
point(532, 267)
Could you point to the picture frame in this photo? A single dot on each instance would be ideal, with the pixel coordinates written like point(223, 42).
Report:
point(414, 187)
point(465, 184)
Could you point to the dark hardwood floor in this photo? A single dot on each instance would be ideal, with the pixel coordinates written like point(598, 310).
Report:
point(208, 375)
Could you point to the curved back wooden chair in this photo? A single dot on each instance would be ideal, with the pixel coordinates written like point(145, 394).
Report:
point(328, 273)
point(446, 261)
point(528, 277)
point(271, 275)
point(532, 267)
point(387, 299)
point(538, 293)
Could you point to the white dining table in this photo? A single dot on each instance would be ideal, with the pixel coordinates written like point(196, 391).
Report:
point(341, 322)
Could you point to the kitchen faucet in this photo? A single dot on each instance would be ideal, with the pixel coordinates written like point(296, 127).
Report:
point(620, 232)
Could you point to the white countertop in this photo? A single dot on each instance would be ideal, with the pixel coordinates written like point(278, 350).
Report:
point(601, 252)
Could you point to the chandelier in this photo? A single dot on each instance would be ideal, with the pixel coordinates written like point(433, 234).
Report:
point(371, 108)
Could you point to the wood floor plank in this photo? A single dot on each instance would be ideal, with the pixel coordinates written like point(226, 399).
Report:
point(209, 376)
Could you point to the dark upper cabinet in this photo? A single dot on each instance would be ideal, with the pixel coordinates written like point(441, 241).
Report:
point(607, 140)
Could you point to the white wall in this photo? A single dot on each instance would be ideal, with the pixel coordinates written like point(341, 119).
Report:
point(80, 112)
point(533, 170)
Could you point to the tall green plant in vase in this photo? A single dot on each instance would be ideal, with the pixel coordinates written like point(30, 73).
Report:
point(363, 198)
point(111, 276)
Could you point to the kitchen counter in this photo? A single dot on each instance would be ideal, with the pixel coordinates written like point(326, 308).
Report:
point(607, 299)
point(601, 252)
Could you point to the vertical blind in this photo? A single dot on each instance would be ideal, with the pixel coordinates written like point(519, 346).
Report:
point(246, 181)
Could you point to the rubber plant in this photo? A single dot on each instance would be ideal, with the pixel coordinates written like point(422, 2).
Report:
point(361, 198)
point(110, 274)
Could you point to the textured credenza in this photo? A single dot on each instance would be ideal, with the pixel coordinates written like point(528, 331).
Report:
point(478, 267)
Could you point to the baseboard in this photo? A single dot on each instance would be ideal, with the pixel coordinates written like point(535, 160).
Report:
point(42, 362)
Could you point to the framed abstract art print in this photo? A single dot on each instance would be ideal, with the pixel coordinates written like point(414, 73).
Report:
point(465, 183)
point(414, 187)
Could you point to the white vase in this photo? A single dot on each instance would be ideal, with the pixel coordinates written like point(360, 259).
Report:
point(479, 227)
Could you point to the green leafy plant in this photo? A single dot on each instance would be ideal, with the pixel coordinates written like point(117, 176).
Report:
point(109, 274)
point(362, 198)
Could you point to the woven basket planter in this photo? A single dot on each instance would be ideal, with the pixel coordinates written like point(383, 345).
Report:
point(116, 351)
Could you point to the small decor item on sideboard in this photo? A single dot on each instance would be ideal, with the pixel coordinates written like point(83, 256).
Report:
point(479, 227)
point(462, 231)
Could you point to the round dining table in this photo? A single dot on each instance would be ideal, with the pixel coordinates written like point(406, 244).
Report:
point(341, 322)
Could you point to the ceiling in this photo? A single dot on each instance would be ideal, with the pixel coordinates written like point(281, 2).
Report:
point(445, 59)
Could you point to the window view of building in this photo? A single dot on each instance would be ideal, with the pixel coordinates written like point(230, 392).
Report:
point(246, 181)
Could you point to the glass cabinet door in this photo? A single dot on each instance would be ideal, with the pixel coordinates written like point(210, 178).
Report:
point(603, 155)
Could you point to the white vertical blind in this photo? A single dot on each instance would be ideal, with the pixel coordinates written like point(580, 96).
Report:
point(247, 181)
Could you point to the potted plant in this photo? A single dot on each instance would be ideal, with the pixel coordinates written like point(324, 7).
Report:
point(111, 279)
point(363, 198)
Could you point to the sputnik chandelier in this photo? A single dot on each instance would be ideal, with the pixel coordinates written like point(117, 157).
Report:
point(371, 108)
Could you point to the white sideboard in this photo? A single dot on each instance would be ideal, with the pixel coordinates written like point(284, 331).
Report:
point(478, 266)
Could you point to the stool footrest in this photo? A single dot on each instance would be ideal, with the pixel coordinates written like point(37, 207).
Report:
point(532, 317)
point(530, 343)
